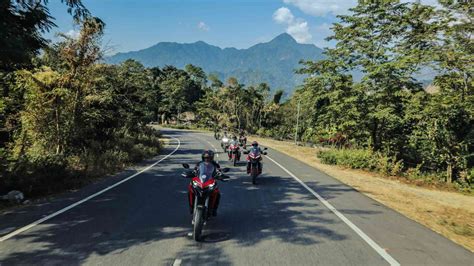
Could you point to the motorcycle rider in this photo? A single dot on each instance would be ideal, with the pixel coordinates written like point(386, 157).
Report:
point(242, 137)
point(207, 157)
point(225, 141)
point(255, 148)
point(233, 142)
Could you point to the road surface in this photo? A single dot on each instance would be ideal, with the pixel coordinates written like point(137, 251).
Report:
point(295, 215)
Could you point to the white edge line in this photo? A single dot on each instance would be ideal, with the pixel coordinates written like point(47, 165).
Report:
point(33, 224)
point(177, 262)
point(356, 229)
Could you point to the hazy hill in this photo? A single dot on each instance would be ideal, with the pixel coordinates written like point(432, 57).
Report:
point(273, 62)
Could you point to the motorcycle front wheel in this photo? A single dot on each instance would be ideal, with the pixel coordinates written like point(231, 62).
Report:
point(254, 176)
point(198, 224)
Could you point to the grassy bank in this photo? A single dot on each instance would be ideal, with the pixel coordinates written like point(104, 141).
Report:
point(390, 167)
point(49, 174)
point(440, 208)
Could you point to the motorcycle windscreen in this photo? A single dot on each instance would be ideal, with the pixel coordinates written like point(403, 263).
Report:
point(206, 171)
point(255, 152)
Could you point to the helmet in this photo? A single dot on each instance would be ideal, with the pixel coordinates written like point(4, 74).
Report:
point(254, 143)
point(207, 154)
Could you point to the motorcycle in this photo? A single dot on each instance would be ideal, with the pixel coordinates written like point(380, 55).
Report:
point(255, 158)
point(225, 143)
point(203, 194)
point(234, 153)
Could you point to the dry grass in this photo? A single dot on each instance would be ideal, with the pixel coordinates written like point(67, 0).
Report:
point(450, 214)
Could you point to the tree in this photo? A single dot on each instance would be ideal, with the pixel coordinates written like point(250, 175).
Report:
point(23, 22)
point(215, 82)
point(277, 96)
point(197, 74)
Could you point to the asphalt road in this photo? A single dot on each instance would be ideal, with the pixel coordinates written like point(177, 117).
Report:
point(295, 215)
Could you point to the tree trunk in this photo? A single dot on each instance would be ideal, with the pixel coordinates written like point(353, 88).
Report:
point(449, 173)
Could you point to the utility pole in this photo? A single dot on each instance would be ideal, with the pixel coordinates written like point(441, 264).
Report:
point(297, 122)
point(179, 114)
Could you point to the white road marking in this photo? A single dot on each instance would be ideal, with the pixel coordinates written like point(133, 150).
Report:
point(35, 223)
point(177, 262)
point(356, 229)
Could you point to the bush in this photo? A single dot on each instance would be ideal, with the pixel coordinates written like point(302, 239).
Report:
point(353, 158)
point(362, 159)
point(50, 173)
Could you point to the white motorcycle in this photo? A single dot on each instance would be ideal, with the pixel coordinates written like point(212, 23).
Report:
point(225, 142)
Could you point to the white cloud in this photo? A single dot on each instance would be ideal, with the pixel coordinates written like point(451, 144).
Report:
point(300, 31)
point(203, 26)
point(323, 7)
point(283, 16)
point(335, 7)
point(296, 27)
point(73, 34)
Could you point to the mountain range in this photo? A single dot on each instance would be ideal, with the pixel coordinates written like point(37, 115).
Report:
point(273, 62)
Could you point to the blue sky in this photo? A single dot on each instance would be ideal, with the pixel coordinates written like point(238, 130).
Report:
point(137, 24)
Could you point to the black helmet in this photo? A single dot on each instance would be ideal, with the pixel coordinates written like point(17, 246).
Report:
point(254, 143)
point(207, 154)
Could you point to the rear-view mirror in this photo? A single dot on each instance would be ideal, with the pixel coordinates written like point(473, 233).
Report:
point(185, 165)
point(225, 170)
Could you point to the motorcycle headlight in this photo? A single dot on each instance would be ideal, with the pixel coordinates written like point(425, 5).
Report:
point(211, 186)
point(196, 184)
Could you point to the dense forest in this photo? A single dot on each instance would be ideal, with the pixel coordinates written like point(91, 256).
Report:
point(66, 116)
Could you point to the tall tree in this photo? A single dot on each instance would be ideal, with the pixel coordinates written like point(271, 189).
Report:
point(22, 24)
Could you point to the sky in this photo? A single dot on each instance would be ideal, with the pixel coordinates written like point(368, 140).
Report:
point(137, 24)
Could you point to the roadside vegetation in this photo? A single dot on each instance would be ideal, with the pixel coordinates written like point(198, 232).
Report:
point(64, 116)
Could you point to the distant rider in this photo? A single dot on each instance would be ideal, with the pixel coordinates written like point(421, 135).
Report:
point(242, 137)
point(233, 142)
point(255, 149)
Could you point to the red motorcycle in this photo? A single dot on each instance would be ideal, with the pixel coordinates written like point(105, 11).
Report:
point(203, 194)
point(254, 158)
point(234, 153)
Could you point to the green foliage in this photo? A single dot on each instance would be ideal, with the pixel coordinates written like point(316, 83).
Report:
point(22, 22)
point(71, 118)
point(387, 112)
point(363, 159)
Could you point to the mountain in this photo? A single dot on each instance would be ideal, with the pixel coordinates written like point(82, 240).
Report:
point(273, 62)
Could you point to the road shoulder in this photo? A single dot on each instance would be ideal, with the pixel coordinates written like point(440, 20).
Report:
point(447, 213)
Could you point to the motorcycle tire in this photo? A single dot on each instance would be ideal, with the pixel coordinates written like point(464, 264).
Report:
point(198, 224)
point(235, 160)
point(254, 177)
